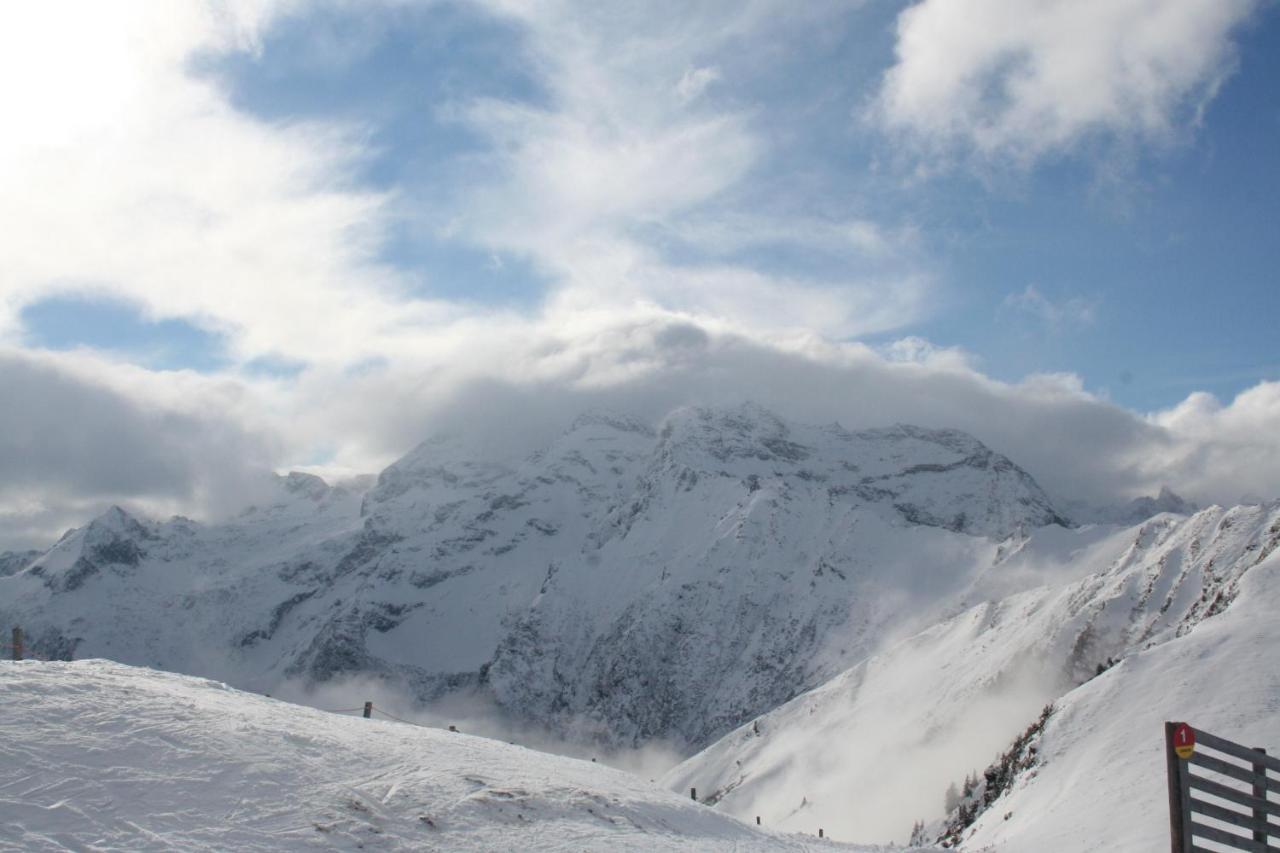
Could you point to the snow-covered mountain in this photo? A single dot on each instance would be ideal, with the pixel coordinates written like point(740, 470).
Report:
point(101, 756)
point(628, 583)
point(1131, 512)
point(1099, 769)
point(12, 562)
point(1148, 627)
point(844, 623)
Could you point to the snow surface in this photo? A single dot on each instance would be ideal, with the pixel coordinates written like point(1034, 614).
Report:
point(101, 756)
point(873, 750)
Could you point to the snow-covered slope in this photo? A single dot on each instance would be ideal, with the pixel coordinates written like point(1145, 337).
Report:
point(628, 583)
point(1099, 781)
point(102, 756)
point(874, 749)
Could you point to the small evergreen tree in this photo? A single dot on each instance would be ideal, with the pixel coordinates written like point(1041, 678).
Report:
point(952, 798)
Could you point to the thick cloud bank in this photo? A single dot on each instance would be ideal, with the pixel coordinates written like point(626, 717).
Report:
point(79, 433)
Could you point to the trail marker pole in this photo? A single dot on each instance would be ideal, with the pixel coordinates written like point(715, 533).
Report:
point(1179, 816)
point(368, 710)
point(17, 643)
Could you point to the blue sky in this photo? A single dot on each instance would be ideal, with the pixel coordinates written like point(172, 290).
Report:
point(320, 230)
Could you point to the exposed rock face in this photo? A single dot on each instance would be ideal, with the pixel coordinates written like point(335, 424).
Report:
point(627, 583)
point(12, 562)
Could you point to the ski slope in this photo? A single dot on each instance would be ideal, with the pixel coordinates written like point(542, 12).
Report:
point(96, 755)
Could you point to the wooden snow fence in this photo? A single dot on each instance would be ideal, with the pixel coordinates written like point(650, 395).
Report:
point(1220, 793)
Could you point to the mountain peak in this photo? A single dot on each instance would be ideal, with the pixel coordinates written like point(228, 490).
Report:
point(302, 483)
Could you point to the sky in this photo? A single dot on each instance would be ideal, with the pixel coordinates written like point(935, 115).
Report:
point(257, 235)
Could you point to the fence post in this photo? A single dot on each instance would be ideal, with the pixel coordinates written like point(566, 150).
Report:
point(819, 832)
point(693, 794)
point(17, 643)
point(1179, 819)
point(368, 710)
point(1260, 791)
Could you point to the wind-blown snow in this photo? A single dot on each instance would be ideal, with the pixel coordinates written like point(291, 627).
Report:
point(102, 756)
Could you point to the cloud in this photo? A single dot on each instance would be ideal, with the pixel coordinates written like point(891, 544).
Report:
point(1226, 451)
point(695, 81)
point(633, 153)
point(1025, 79)
point(136, 180)
point(82, 433)
point(78, 434)
point(535, 376)
point(140, 182)
point(1059, 316)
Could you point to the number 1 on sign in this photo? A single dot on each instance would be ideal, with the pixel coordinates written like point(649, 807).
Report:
point(1184, 741)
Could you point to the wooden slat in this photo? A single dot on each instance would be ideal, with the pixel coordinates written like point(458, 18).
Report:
point(1235, 750)
point(1235, 795)
point(1226, 768)
point(1240, 819)
point(1240, 842)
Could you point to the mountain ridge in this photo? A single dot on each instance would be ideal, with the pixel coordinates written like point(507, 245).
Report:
point(564, 588)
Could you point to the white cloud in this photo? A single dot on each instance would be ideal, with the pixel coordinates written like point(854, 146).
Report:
point(1058, 316)
point(1026, 78)
point(695, 81)
point(583, 185)
point(1226, 452)
point(141, 182)
point(125, 175)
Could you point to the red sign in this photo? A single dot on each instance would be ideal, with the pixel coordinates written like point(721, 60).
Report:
point(1184, 741)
